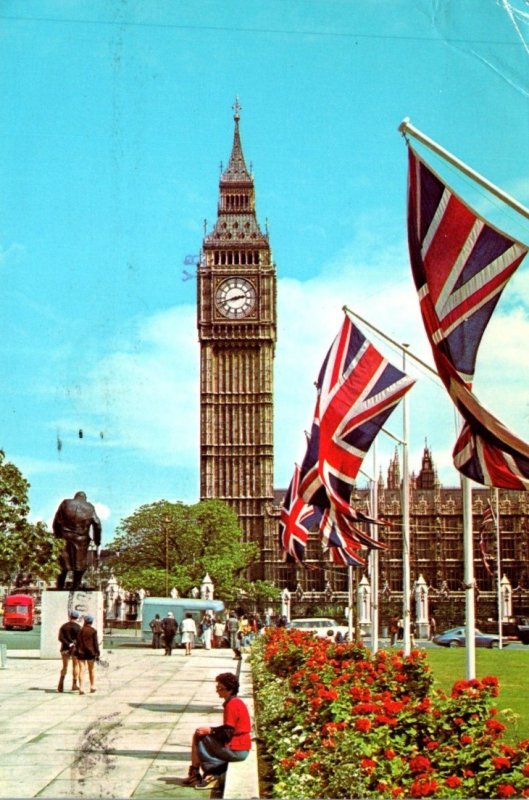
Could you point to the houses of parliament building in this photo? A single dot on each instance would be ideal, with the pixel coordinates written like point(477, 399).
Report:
point(236, 321)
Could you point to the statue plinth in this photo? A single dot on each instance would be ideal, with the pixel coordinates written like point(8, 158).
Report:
point(56, 606)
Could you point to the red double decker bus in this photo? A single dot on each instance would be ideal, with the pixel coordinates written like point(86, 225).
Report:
point(18, 612)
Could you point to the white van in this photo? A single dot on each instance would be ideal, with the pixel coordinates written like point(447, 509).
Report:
point(180, 607)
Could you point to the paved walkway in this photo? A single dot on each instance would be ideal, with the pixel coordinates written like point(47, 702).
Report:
point(131, 738)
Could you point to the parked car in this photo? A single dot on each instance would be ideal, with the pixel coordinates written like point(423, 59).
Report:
point(321, 626)
point(456, 637)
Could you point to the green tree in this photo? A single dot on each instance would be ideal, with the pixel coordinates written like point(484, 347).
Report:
point(25, 548)
point(166, 544)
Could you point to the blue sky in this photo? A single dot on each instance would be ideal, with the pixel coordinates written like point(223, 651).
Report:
point(116, 115)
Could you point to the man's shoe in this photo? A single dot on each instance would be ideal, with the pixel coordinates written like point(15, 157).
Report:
point(60, 687)
point(75, 687)
point(193, 777)
point(208, 782)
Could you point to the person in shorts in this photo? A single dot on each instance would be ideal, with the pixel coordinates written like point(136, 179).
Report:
point(68, 637)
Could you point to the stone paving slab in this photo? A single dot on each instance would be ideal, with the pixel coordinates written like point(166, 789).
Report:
point(130, 739)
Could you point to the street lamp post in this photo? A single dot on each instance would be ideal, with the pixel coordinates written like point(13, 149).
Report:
point(166, 530)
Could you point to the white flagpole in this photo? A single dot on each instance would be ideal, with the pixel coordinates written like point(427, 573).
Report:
point(406, 127)
point(498, 565)
point(405, 505)
point(468, 549)
point(350, 601)
point(374, 557)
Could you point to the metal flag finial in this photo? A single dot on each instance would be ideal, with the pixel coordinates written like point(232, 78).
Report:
point(237, 109)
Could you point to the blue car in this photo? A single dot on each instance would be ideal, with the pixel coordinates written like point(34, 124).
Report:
point(456, 637)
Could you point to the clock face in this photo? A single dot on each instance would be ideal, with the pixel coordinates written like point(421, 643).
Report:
point(235, 298)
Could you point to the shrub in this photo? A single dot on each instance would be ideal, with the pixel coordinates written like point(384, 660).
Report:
point(338, 721)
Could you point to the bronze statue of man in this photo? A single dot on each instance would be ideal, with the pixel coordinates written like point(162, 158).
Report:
point(72, 522)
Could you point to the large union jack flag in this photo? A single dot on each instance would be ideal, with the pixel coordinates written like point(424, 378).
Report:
point(297, 518)
point(460, 266)
point(357, 391)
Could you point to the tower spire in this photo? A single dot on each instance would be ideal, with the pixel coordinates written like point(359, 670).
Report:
point(236, 172)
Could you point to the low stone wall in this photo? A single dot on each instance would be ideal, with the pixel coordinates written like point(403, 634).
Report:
point(242, 777)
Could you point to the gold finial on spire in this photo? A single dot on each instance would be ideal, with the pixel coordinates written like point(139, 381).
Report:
point(237, 108)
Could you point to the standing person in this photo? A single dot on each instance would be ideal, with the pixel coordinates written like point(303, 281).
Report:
point(213, 748)
point(232, 629)
point(169, 632)
point(219, 628)
point(156, 627)
point(189, 632)
point(87, 649)
point(394, 629)
point(67, 637)
point(432, 628)
point(207, 630)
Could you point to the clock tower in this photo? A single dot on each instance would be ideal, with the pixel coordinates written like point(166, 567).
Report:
point(237, 333)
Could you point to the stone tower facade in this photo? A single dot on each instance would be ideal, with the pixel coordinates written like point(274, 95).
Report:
point(236, 309)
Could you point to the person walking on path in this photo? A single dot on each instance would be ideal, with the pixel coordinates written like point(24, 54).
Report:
point(169, 632)
point(207, 630)
point(67, 637)
point(213, 748)
point(232, 629)
point(189, 632)
point(87, 649)
point(219, 628)
point(156, 627)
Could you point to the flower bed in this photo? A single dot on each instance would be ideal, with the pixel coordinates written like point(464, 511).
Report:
point(337, 721)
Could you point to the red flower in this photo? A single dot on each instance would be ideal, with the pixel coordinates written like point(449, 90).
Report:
point(500, 762)
point(453, 782)
point(368, 764)
point(506, 790)
point(466, 739)
point(525, 770)
point(432, 745)
point(420, 764)
point(363, 724)
point(423, 787)
point(494, 727)
point(389, 753)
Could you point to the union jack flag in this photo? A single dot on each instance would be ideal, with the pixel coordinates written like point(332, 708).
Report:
point(460, 266)
point(343, 547)
point(357, 391)
point(296, 520)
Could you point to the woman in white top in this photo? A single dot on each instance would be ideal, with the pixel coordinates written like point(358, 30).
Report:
point(189, 631)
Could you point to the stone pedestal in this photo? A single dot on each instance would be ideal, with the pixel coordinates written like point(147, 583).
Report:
point(56, 605)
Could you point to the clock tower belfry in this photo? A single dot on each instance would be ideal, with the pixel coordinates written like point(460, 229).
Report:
point(237, 333)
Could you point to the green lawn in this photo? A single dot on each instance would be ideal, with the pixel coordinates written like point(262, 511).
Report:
point(511, 667)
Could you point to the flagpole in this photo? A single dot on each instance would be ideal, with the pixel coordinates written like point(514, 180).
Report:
point(402, 348)
point(498, 565)
point(405, 507)
point(406, 127)
point(374, 557)
point(350, 603)
point(468, 549)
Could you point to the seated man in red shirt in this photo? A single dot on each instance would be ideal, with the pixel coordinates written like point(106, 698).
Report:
point(213, 748)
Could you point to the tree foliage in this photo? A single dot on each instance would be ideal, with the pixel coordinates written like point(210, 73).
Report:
point(26, 549)
point(165, 545)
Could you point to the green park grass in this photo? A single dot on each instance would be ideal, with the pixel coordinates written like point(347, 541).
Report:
point(511, 667)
